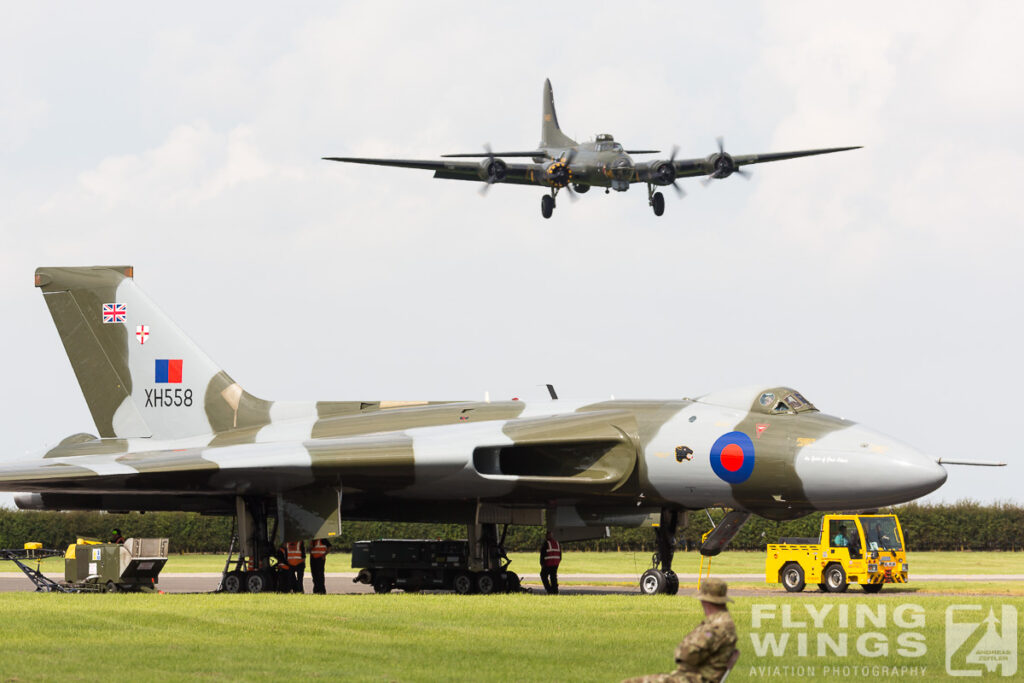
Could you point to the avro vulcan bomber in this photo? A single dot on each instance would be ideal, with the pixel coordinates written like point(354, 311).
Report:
point(176, 432)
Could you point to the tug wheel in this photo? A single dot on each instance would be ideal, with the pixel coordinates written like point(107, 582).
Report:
point(835, 579)
point(793, 577)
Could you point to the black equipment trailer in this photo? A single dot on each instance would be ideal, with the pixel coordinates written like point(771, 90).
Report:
point(417, 564)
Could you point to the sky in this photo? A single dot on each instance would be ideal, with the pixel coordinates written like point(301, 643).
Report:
point(883, 283)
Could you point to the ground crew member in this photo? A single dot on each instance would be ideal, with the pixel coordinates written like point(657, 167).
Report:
point(295, 557)
point(705, 652)
point(117, 537)
point(285, 576)
point(550, 558)
point(840, 539)
point(317, 559)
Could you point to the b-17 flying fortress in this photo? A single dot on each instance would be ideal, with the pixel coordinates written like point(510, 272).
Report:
point(561, 163)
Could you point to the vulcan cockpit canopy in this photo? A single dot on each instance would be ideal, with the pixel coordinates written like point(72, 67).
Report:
point(770, 401)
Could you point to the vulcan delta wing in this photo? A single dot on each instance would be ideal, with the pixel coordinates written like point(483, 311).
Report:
point(176, 432)
point(559, 162)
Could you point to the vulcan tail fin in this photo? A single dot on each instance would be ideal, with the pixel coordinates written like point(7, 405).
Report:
point(550, 134)
point(141, 376)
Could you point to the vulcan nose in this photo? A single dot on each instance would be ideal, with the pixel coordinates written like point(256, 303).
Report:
point(856, 468)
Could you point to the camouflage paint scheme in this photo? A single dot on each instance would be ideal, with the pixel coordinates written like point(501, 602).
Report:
point(206, 442)
point(561, 162)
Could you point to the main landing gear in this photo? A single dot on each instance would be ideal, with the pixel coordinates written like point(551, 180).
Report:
point(254, 570)
point(547, 203)
point(660, 578)
point(656, 200)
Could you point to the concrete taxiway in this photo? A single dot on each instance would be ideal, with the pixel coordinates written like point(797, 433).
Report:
point(579, 584)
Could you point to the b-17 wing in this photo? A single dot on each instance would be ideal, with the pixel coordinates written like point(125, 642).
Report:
point(722, 164)
point(488, 170)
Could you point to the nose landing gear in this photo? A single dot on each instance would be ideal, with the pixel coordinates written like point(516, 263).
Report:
point(660, 578)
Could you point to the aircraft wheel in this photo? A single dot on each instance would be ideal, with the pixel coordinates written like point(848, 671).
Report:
point(485, 583)
point(671, 583)
point(547, 205)
point(257, 582)
point(463, 583)
point(652, 582)
point(658, 203)
point(835, 579)
point(793, 577)
point(233, 583)
point(872, 587)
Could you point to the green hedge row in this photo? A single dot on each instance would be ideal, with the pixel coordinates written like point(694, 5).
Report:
point(964, 525)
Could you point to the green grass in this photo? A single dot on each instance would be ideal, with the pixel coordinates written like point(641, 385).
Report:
point(575, 562)
point(406, 637)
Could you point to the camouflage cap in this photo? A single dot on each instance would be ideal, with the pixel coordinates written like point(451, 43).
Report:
point(713, 591)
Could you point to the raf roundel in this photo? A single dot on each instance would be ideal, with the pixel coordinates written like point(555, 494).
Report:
point(732, 457)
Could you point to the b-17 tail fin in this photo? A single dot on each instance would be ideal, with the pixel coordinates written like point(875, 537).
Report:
point(140, 374)
point(550, 134)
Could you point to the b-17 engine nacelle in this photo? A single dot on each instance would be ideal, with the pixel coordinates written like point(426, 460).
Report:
point(492, 170)
point(558, 173)
point(660, 173)
point(720, 165)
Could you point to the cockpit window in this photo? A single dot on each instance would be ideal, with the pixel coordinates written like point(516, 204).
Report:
point(781, 400)
point(798, 403)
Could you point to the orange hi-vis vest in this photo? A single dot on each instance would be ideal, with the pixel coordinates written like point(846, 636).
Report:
point(294, 553)
point(318, 549)
point(552, 553)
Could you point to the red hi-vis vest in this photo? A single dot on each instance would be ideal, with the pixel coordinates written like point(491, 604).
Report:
point(318, 549)
point(294, 553)
point(552, 553)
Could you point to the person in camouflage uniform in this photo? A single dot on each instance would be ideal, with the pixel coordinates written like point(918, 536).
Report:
point(704, 653)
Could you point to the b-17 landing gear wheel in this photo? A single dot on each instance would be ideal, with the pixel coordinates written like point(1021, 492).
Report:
point(871, 587)
point(658, 203)
point(652, 582)
point(233, 583)
point(793, 577)
point(835, 579)
point(547, 205)
point(463, 583)
point(485, 583)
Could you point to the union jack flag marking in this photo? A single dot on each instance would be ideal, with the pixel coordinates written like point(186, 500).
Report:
point(115, 313)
